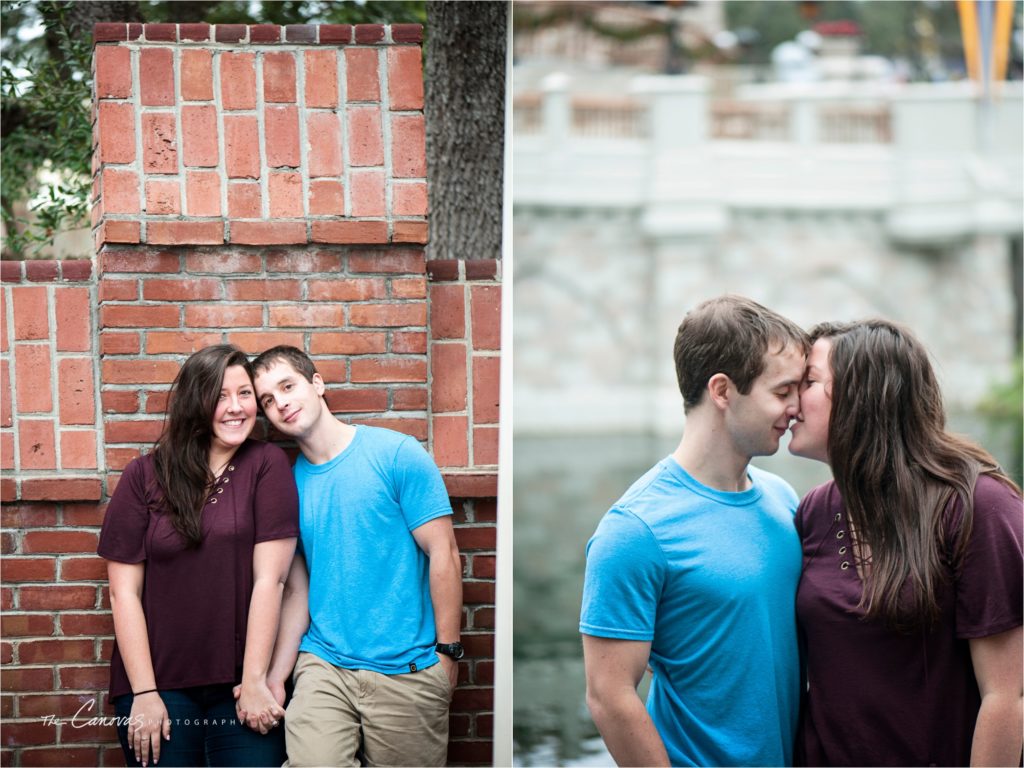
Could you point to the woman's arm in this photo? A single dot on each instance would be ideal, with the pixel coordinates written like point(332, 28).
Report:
point(148, 714)
point(270, 562)
point(998, 667)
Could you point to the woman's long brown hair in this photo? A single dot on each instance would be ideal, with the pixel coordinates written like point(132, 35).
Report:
point(181, 455)
point(897, 468)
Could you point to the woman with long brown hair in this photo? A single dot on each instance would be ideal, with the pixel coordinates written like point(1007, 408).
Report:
point(910, 599)
point(199, 536)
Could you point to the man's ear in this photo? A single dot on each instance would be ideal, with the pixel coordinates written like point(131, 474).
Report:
point(718, 390)
point(318, 384)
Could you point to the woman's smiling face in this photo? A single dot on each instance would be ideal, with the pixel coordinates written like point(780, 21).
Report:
point(235, 415)
point(810, 430)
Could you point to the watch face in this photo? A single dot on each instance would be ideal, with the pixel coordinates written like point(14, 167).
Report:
point(453, 650)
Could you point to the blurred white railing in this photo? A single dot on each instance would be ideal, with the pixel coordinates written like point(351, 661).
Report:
point(937, 160)
point(749, 121)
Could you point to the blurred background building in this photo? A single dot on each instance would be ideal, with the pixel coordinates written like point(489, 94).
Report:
point(831, 160)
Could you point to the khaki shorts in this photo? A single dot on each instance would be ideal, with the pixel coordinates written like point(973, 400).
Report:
point(337, 715)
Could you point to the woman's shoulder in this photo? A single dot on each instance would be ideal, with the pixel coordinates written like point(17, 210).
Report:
point(140, 468)
point(819, 503)
point(989, 489)
point(994, 498)
point(996, 512)
point(138, 481)
point(825, 494)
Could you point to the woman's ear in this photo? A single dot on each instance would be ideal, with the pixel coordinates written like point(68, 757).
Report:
point(718, 390)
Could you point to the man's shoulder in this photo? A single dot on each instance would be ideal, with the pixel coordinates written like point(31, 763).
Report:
point(647, 492)
point(774, 487)
point(385, 440)
point(383, 434)
point(657, 501)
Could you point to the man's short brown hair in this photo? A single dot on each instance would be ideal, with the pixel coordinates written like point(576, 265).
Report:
point(283, 353)
point(731, 335)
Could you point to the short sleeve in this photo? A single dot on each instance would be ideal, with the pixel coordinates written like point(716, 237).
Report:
point(625, 574)
point(276, 502)
point(815, 499)
point(801, 514)
point(988, 585)
point(123, 535)
point(421, 492)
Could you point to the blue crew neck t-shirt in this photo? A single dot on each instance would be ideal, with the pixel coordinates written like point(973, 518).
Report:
point(369, 593)
point(709, 578)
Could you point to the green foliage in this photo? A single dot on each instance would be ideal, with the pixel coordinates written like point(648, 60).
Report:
point(906, 29)
point(1006, 400)
point(50, 109)
point(529, 18)
point(1004, 409)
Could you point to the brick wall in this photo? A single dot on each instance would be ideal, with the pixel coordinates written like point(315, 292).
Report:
point(48, 406)
point(360, 313)
point(254, 185)
point(258, 135)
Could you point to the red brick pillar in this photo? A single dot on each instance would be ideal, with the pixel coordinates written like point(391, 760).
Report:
point(255, 185)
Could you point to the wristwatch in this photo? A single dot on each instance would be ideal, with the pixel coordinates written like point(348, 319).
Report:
point(454, 650)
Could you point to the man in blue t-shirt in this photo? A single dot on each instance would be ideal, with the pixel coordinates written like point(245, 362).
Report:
point(373, 603)
point(694, 570)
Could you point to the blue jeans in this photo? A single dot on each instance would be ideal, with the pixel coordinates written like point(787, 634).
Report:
point(205, 731)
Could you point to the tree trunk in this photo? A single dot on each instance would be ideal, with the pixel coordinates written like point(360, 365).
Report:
point(464, 74)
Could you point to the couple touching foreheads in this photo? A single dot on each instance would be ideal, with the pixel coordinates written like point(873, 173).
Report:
point(875, 622)
point(217, 612)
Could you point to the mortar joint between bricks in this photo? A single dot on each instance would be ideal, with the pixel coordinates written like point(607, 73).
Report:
point(261, 135)
point(301, 112)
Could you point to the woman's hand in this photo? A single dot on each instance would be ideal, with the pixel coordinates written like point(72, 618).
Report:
point(147, 723)
point(257, 706)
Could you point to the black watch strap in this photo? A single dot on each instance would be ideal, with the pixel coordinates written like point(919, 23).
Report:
point(452, 650)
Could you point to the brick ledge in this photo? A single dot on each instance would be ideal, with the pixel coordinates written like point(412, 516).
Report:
point(471, 485)
point(87, 487)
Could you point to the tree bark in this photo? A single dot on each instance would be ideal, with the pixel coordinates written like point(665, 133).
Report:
point(464, 74)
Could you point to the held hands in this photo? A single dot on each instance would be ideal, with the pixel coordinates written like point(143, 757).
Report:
point(258, 706)
point(277, 690)
point(147, 723)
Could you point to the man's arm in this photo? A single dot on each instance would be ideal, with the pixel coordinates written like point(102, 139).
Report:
point(614, 669)
point(270, 565)
point(437, 539)
point(294, 623)
point(998, 668)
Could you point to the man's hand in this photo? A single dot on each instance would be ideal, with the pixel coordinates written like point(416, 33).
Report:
point(277, 689)
point(257, 706)
point(451, 668)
